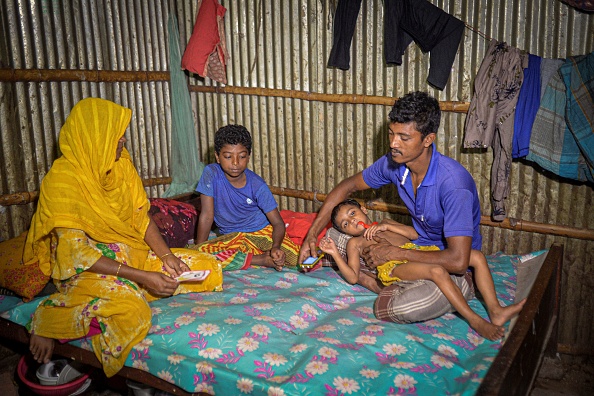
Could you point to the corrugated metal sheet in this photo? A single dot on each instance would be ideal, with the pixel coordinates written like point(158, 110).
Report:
point(300, 144)
point(95, 35)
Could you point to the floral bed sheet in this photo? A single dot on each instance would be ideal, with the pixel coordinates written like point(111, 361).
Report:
point(289, 333)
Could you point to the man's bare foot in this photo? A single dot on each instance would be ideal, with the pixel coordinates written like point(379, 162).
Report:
point(488, 330)
point(500, 316)
point(41, 348)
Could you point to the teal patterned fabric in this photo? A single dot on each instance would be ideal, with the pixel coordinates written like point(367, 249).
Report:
point(289, 333)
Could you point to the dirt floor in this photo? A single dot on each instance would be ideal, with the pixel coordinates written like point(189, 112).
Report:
point(563, 375)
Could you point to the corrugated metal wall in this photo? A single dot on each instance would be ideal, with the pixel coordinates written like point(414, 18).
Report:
point(299, 144)
point(88, 35)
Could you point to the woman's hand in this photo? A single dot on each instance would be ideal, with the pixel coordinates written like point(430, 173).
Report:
point(174, 265)
point(279, 257)
point(159, 284)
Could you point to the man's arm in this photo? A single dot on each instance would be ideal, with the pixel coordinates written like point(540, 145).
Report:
point(338, 194)
point(454, 258)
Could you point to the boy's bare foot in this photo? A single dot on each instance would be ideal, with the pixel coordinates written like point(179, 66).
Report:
point(265, 260)
point(42, 348)
point(500, 316)
point(488, 330)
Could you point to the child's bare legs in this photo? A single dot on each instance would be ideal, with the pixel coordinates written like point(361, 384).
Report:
point(41, 348)
point(484, 282)
point(438, 275)
point(369, 282)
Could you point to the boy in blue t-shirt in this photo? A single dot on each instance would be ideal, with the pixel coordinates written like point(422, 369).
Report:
point(243, 208)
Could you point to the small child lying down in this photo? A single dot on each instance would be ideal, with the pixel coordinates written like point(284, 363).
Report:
point(350, 218)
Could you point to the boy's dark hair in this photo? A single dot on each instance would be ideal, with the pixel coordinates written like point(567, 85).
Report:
point(348, 201)
point(420, 108)
point(232, 134)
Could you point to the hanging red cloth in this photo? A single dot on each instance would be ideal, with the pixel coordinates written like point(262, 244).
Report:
point(206, 52)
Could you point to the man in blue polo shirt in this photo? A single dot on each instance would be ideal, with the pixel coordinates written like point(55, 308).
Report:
point(441, 197)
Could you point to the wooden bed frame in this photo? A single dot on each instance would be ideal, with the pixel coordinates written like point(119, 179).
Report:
point(512, 373)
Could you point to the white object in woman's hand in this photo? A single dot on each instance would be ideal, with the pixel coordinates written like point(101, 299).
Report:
point(193, 276)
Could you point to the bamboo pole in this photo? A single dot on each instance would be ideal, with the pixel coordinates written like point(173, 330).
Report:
point(156, 181)
point(21, 198)
point(73, 75)
point(449, 106)
point(50, 75)
point(24, 198)
point(508, 223)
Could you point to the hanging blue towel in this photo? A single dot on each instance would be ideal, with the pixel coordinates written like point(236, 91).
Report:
point(562, 138)
point(578, 77)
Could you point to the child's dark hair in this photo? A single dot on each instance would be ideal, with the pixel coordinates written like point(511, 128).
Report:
point(420, 108)
point(232, 134)
point(348, 201)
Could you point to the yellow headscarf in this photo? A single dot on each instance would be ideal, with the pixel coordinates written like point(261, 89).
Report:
point(86, 188)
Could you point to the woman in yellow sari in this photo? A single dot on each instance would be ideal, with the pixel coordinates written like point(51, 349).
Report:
point(93, 235)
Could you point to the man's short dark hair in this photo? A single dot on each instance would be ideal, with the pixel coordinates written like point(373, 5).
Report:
point(232, 134)
point(348, 201)
point(420, 108)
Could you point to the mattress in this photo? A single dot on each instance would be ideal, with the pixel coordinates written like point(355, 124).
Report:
point(291, 333)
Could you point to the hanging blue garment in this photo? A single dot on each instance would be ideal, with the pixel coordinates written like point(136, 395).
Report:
point(526, 108)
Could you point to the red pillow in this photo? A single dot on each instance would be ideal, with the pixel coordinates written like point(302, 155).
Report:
point(298, 224)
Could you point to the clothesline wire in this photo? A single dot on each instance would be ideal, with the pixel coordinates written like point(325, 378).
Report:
point(483, 35)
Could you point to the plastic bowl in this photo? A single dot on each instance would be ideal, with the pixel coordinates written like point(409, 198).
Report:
point(59, 372)
point(24, 371)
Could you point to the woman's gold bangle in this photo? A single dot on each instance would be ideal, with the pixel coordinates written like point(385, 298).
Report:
point(118, 271)
point(166, 254)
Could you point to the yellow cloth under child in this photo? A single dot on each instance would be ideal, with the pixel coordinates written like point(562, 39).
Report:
point(384, 271)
